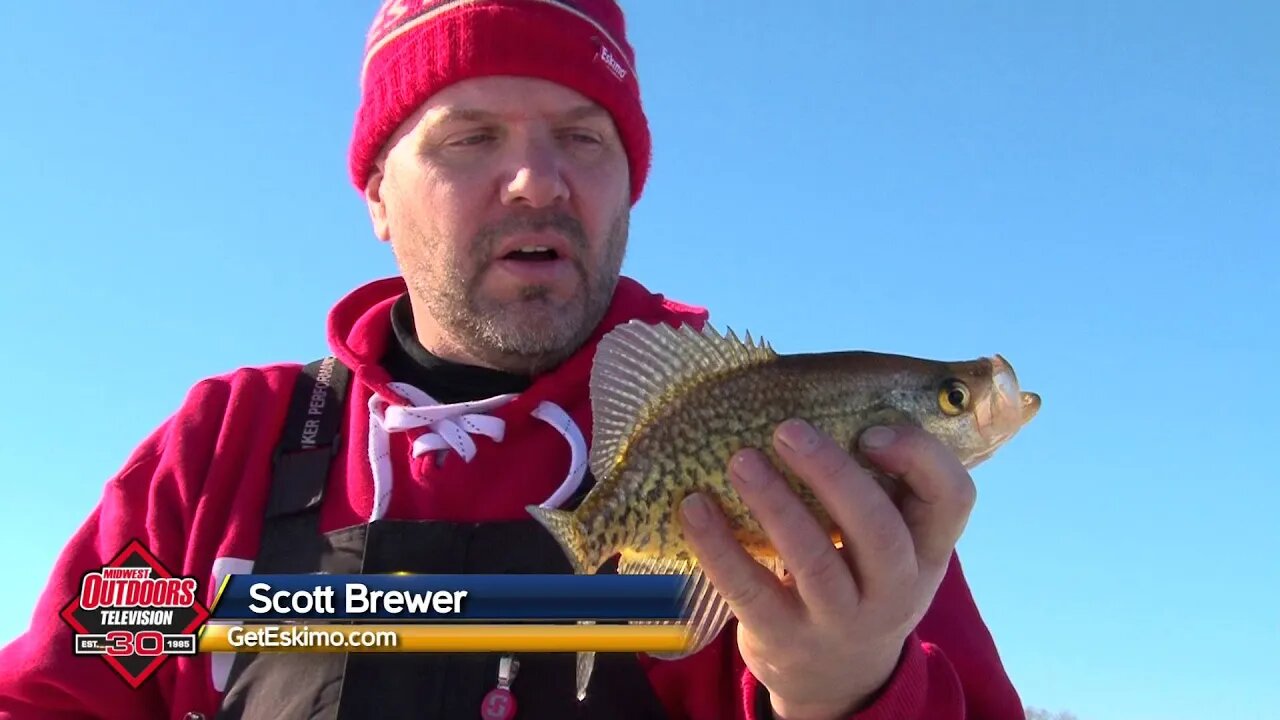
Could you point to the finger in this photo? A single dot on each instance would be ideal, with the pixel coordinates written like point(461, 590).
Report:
point(942, 492)
point(874, 534)
point(755, 595)
point(822, 577)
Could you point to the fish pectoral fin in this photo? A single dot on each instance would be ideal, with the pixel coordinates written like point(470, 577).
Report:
point(704, 607)
point(881, 416)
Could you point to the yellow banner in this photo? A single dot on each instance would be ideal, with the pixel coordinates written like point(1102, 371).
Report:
point(443, 638)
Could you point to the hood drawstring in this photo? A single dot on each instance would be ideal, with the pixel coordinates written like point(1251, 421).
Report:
point(556, 417)
point(450, 428)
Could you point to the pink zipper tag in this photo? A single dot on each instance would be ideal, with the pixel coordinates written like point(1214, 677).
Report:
point(499, 703)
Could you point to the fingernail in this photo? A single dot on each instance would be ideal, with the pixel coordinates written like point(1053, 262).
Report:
point(876, 438)
point(746, 469)
point(799, 436)
point(695, 510)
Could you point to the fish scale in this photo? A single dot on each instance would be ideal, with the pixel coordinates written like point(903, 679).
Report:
point(671, 406)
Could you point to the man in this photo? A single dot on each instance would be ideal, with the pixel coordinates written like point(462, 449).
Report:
point(499, 147)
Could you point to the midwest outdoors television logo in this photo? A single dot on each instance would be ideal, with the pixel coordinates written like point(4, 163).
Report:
point(134, 614)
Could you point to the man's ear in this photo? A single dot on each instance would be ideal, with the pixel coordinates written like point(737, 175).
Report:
point(377, 205)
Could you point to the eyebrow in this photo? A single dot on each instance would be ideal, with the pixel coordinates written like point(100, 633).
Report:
point(451, 115)
point(584, 112)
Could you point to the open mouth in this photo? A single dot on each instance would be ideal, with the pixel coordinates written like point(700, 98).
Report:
point(532, 253)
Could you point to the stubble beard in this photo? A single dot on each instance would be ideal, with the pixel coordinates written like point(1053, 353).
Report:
point(536, 331)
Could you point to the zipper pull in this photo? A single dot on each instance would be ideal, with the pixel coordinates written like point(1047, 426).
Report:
point(499, 703)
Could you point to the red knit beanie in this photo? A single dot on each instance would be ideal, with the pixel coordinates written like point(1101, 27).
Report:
point(417, 47)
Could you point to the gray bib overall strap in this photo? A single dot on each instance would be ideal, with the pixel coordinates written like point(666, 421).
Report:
point(294, 686)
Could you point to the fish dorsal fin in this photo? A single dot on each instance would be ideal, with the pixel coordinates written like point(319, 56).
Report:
point(638, 367)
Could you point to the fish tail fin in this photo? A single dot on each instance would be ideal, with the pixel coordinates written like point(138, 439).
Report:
point(585, 558)
point(577, 545)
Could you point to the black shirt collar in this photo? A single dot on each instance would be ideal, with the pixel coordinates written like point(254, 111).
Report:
point(407, 361)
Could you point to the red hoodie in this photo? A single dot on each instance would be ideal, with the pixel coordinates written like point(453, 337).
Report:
point(194, 492)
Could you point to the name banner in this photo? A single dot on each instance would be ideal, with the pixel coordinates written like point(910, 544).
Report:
point(450, 598)
point(462, 637)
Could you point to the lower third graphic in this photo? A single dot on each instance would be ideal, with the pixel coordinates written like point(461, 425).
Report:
point(135, 614)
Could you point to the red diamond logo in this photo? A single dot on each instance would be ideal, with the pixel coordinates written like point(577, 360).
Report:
point(134, 614)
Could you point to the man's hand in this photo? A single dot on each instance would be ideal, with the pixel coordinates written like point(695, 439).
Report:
point(825, 641)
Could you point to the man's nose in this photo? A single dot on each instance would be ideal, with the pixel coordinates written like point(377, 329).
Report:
point(537, 175)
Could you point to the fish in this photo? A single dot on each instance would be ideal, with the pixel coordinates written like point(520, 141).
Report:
point(672, 404)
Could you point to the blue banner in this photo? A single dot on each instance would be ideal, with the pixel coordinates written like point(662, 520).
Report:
point(450, 598)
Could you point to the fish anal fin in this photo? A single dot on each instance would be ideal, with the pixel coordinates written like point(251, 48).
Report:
point(773, 563)
point(704, 607)
point(636, 564)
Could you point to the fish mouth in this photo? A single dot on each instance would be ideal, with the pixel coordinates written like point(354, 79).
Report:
point(1028, 403)
point(1009, 407)
point(1030, 406)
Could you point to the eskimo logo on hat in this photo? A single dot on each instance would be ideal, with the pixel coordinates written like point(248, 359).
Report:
point(611, 62)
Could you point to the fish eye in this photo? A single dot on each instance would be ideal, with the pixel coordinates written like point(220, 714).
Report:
point(953, 397)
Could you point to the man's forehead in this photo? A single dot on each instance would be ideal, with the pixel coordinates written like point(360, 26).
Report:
point(463, 112)
point(511, 98)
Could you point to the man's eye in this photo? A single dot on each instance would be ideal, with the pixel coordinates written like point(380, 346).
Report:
point(472, 140)
point(582, 137)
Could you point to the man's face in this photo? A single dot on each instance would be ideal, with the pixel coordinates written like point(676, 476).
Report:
point(506, 202)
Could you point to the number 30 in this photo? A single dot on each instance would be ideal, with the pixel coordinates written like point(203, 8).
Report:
point(147, 643)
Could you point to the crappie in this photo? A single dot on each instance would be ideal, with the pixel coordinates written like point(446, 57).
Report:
point(671, 406)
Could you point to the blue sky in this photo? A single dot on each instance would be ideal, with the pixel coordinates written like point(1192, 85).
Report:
point(1091, 190)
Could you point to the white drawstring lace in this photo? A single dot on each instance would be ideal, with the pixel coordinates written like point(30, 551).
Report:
point(450, 428)
point(556, 417)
